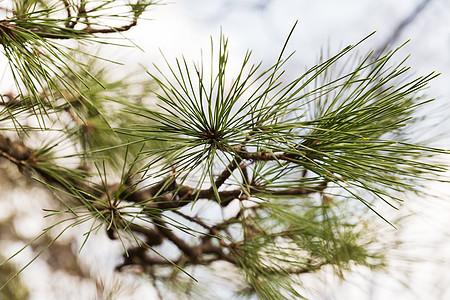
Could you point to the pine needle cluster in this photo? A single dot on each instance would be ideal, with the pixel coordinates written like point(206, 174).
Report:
point(268, 176)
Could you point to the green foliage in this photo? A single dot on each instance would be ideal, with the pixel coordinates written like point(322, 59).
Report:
point(41, 63)
point(297, 156)
point(17, 289)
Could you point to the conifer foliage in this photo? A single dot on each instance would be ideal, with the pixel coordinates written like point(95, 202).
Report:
point(266, 176)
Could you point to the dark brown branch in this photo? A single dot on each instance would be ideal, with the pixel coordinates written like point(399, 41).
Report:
point(191, 251)
point(245, 176)
point(67, 32)
point(70, 101)
point(207, 246)
point(193, 219)
point(69, 14)
point(137, 256)
point(91, 30)
point(266, 156)
point(63, 34)
point(16, 151)
point(226, 173)
point(15, 101)
point(12, 100)
point(296, 191)
point(403, 24)
point(153, 236)
point(229, 195)
point(296, 271)
point(81, 13)
point(183, 195)
point(169, 195)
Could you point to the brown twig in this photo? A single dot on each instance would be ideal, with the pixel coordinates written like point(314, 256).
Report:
point(16, 152)
point(401, 26)
point(69, 14)
point(168, 194)
point(191, 251)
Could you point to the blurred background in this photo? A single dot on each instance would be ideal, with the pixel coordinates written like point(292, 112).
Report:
point(419, 265)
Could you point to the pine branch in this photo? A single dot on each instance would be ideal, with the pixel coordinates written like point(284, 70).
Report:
point(35, 22)
point(270, 145)
point(16, 152)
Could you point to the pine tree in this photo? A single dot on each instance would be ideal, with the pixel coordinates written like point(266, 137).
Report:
point(294, 165)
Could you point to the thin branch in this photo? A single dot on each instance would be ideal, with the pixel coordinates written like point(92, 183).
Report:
point(153, 236)
point(403, 24)
point(137, 256)
point(191, 251)
point(69, 14)
point(8, 26)
point(226, 173)
point(296, 191)
point(296, 271)
point(264, 155)
point(16, 151)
